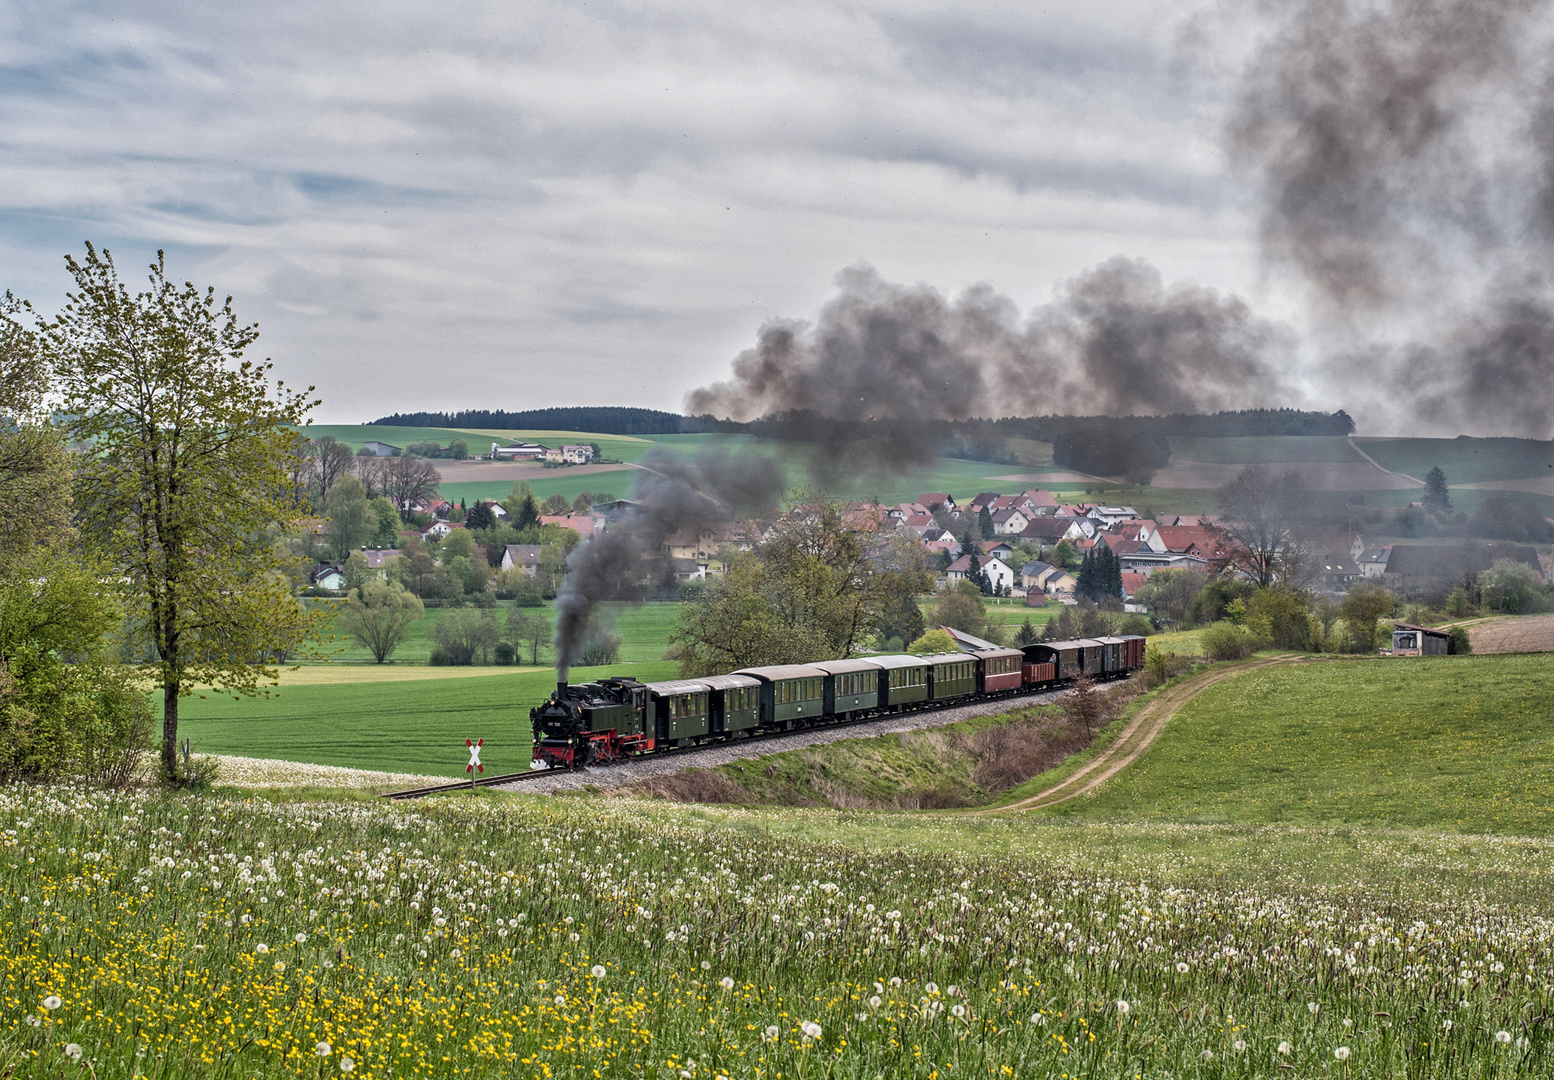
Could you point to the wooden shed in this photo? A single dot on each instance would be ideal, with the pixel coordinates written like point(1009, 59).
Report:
point(1410, 640)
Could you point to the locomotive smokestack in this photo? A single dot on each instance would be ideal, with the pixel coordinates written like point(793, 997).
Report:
point(561, 689)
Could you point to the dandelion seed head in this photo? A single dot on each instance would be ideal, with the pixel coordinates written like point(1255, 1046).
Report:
point(1284, 1047)
point(347, 1064)
point(1039, 1019)
point(323, 1049)
point(1182, 967)
point(52, 1002)
point(1342, 1053)
point(597, 971)
point(261, 948)
point(1122, 1008)
point(1239, 1045)
point(73, 1051)
point(1503, 1037)
point(726, 982)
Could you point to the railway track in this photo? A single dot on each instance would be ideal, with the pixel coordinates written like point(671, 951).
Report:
point(757, 736)
point(465, 785)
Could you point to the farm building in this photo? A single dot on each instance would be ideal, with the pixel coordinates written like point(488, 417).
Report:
point(381, 449)
point(1413, 567)
point(518, 452)
point(1410, 640)
point(524, 556)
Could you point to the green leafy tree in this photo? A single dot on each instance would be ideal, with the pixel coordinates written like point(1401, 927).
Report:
point(1064, 554)
point(355, 572)
point(352, 522)
point(1509, 586)
point(185, 483)
point(901, 617)
point(529, 630)
point(467, 635)
point(557, 504)
point(582, 504)
point(959, 606)
point(1436, 498)
point(379, 614)
point(458, 450)
point(1168, 596)
point(1363, 604)
point(1279, 616)
point(933, 641)
point(386, 535)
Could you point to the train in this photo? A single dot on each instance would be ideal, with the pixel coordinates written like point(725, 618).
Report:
point(602, 722)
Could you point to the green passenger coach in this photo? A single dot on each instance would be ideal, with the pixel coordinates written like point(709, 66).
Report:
point(903, 681)
point(792, 695)
point(851, 685)
point(951, 675)
point(680, 711)
point(736, 702)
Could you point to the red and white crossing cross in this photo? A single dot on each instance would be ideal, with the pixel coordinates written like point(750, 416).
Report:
point(474, 756)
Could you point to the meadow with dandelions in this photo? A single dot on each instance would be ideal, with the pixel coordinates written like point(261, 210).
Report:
point(157, 936)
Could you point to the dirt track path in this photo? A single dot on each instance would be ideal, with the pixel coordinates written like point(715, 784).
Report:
point(1379, 465)
point(1136, 738)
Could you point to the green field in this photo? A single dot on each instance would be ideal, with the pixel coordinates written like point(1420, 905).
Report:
point(1463, 743)
point(1263, 449)
point(1465, 461)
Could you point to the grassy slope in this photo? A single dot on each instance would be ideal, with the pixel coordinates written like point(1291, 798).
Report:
point(1465, 461)
point(1459, 743)
point(1264, 449)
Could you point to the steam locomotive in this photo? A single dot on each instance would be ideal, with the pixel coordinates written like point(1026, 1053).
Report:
point(614, 718)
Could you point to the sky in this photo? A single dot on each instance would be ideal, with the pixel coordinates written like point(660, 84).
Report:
point(526, 204)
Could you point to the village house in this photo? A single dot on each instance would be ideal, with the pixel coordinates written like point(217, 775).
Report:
point(935, 499)
point(525, 557)
point(582, 524)
point(1009, 522)
point(1147, 562)
point(1061, 586)
point(1048, 531)
point(1112, 515)
point(996, 548)
point(999, 575)
point(1373, 561)
point(327, 576)
point(944, 542)
point(1131, 584)
point(1335, 570)
point(1034, 575)
point(377, 557)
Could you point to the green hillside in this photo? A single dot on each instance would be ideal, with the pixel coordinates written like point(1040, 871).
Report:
point(1455, 743)
point(1263, 449)
point(1465, 461)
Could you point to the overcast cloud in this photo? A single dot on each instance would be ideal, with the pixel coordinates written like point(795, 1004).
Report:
point(527, 204)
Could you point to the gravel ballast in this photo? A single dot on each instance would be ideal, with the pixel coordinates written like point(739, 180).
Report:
point(630, 772)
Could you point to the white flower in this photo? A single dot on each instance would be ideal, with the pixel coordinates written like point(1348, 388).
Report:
point(1239, 1045)
point(52, 1002)
point(1312, 1007)
point(561, 999)
point(706, 965)
point(73, 1051)
point(1503, 1038)
point(874, 1002)
point(322, 1049)
point(574, 936)
point(347, 1064)
point(456, 953)
point(280, 966)
point(597, 971)
point(726, 982)
point(1447, 1025)
point(1284, 1047)
point(1207, 1055)
point(770, 1034)
point(957, 1010)
point(952, 991)
point(895, 980)
point(1122, 1008)
point(932, 988)
point(1038, 1019)
point(261, 948)
point(246, 919)
point(1348, 1023)
point(33, 1021)
point(300, 939)
point(1182, 967)
point(810, 1029)
point(1342, 1053)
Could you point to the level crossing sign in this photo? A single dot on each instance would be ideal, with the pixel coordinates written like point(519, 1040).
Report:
point(474, 756)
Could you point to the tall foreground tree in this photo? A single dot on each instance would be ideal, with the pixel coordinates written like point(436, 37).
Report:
point(185, 484)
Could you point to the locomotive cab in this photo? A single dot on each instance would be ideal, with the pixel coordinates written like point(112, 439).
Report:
point(591, 722)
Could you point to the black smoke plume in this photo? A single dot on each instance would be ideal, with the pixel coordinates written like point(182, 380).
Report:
point(873, 379)
point(1404, 157)
point(629, 559)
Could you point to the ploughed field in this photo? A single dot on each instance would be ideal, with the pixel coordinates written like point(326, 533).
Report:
point(485, 937)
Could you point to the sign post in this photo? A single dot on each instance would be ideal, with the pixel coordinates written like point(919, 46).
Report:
point(474, 760)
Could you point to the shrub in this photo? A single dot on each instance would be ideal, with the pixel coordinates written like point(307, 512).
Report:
point(1460, 645)
point(1160, 667)
point(440, 658)
point(1136, 624)
point(1227, 641)
point(934, 641)
point(602, 647)
point(503, 652)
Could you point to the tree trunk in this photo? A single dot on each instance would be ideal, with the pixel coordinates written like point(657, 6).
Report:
point(170, 731)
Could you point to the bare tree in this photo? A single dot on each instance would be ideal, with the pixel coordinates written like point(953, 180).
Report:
point(331, 461)
point(407, 480)
point(1261, 516)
